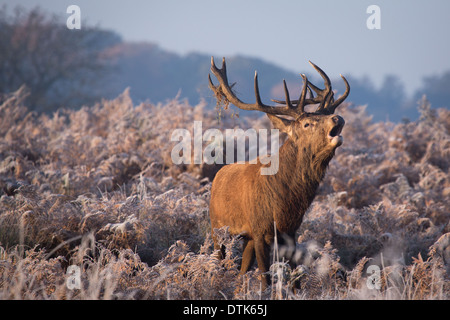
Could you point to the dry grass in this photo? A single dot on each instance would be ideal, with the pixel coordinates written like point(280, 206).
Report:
point(96, 188)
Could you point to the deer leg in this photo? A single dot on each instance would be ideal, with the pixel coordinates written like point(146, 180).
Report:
point(289, 242)
point(262, 251)
point(286, 244)
point(248, 255)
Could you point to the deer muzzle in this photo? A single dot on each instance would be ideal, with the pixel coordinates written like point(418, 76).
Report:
point(334, 135)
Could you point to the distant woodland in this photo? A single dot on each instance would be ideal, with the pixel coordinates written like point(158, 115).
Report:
point(66, 68)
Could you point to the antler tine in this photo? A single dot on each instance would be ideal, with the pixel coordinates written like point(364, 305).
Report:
point(223, 90)
point(301, 100)
point(325, 95)
point(324, 76)
point(311, 100)
point(325, 103)
point(341, 98)
point(257, 96)
point(286, 94)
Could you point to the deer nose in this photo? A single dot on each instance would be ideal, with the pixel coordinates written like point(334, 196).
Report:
point(338, 120)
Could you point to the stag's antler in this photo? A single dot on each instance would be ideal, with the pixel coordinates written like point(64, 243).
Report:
point(326, 97)
point(293, 108)
point(224, 90)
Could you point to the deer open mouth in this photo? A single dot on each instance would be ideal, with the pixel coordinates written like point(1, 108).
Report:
point(334, 136)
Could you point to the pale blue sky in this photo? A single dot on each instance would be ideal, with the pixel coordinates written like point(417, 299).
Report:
point(414, 40)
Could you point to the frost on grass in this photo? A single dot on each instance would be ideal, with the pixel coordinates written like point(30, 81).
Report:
point(97, 188)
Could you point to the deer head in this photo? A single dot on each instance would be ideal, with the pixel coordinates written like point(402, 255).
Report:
point(304, 125)
point(250, 204)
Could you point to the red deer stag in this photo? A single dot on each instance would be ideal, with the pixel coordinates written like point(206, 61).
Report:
point(249, 203)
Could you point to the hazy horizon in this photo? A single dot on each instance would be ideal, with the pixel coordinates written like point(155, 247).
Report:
point(333, 34)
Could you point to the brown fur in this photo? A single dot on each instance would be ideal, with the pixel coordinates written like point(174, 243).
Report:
point(250, 204)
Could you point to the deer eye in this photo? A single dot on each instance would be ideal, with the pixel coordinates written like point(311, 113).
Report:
point(306, 125)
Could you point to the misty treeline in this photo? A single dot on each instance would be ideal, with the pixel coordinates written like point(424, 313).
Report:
point(71, 68)
point(58, 66)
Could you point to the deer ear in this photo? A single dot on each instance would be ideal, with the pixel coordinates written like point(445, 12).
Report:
point(281, 124)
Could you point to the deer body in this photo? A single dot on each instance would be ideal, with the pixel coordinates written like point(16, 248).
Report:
point(251, 204)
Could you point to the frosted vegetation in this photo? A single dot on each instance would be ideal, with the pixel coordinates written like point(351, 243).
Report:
point(97, 188)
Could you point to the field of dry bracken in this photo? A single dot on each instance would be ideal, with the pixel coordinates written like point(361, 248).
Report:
point(96, 188)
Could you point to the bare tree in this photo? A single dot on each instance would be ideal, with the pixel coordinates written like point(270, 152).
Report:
point(58, 66)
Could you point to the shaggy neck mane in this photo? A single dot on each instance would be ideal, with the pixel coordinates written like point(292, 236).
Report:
point(293, 187)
